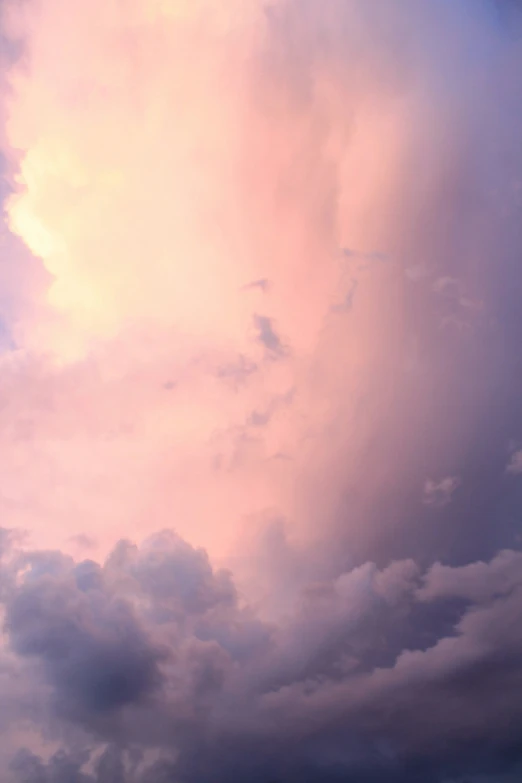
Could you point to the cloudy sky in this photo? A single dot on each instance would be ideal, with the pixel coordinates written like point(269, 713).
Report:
point(261, 391)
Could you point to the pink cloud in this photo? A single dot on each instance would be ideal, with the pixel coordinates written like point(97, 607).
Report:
point(188, 342)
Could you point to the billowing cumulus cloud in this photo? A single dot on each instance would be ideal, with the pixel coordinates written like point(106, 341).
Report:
point(260, 285)
point(376, 674)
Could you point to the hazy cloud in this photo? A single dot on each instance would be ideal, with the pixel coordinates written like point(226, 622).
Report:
point(515, 463)
point(439, 493)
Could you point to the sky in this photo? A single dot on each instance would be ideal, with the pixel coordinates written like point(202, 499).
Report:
point(260, 391)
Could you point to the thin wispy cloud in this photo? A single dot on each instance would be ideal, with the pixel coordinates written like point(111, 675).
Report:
point(514, 465)
point(440, 493)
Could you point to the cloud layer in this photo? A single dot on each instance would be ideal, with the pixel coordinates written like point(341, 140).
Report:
point(260, 272)
point(377, 674)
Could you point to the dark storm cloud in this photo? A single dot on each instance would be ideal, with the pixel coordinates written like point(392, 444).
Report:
point(376, 675)
point(90, 645)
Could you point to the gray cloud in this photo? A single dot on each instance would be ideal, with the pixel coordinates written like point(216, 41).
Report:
point(376, 674)
point(90, 646)
point(267, 335)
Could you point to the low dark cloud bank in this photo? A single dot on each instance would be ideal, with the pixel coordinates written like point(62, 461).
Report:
point(376, 675)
